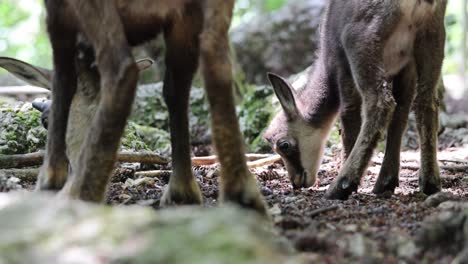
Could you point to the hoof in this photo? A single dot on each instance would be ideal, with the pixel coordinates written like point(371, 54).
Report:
point(247, 200)
point(48, 180)
point(178, 194)
point(429, 188)
point(248, 197)
point(341, 189)
point(385, 184)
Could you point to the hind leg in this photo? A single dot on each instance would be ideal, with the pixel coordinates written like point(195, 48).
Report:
point(53, 173)
point(404, 86)
point(429, 53)
point(118, 84)
point(237, 184)
point(181, 63)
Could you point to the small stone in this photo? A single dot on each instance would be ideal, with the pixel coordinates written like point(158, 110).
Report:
point(266, 191)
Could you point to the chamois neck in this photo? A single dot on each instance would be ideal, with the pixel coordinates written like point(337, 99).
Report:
point(320, 97)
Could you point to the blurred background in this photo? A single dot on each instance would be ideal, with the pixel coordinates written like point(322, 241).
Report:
point(279, 36)
point(22, 32)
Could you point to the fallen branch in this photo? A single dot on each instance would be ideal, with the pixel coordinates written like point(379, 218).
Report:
point(35, 159)
point(21, 160)
point(323, 210)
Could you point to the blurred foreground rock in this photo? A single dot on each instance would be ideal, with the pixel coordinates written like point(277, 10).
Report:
point(447, 231)
point(38, 228)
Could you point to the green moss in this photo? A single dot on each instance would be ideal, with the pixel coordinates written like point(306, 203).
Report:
point(21, 130)
point(255, 112)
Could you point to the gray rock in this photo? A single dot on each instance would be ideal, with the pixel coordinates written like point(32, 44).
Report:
point(283, 42)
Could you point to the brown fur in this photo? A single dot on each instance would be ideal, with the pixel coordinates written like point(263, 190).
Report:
point(374, 57)
point(192, 30)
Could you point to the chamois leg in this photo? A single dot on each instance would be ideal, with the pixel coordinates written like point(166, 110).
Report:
point(237, 184)
point(350, 114)
point(378, 105)
point(429, 52)
point(181, 63)
point(404, 86)
point(53, 173)
point(118, 84)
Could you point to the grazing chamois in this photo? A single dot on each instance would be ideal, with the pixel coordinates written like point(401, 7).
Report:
point(375, 58)
point(193, 30)
point(85, 102)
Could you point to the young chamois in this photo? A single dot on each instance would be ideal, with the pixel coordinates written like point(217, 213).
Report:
point(192, 29)
point(375, 57)
point(85, 102)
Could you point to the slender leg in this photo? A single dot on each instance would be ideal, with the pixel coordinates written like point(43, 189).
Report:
point(118, 84)
point(404, 86)
point(429, 54)
point(237, 184)
point(53, 173)
point(350, 113)
point(378, 104)
point(181, 63)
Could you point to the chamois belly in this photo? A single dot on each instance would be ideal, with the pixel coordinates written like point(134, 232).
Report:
point(398, 50)
point(143, 20)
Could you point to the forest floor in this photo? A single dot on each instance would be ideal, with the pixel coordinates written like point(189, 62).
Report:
point(365, 228)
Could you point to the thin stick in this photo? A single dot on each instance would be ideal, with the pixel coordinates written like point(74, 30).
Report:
point(323, 210)
point(36, 158)
point(206, 160)
point(264, 161)
point(210, 160)
point(141, 157)
point(459, 168)
point(454, 160)
point(153, 173)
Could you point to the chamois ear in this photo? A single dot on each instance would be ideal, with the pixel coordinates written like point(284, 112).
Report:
point(31, 74)
point(285, 94)
point(144, 64)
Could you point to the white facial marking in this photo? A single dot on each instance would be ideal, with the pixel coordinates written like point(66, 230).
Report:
point(311, 143)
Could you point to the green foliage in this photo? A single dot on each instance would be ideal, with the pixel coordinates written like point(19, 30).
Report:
point(255, 112)
point(21, 130)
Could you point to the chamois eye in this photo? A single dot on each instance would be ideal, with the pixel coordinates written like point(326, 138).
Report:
point(284, 146)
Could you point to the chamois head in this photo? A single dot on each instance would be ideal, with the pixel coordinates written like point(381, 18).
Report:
point(298, 140)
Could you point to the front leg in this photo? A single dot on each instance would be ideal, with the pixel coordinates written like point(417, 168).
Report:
point(53, 173)
point(181, 63)
point(364, 55)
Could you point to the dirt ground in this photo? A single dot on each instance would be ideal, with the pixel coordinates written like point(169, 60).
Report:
point(364, 228)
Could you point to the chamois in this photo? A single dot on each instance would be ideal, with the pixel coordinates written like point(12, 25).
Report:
point(375, 58)
point(193, 30)
point(84, 103)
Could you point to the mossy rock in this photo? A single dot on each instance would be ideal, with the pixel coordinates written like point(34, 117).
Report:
point(21, 130)
point(33, 228)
